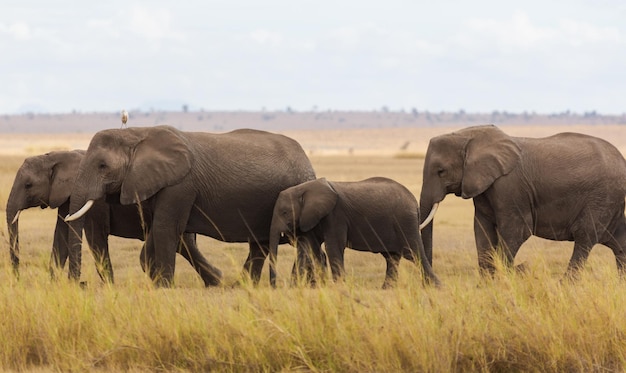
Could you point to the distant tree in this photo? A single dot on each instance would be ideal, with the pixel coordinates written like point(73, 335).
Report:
point(415, 112)
point(185, 108)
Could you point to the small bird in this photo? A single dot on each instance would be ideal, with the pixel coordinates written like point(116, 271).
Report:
point(124, 118)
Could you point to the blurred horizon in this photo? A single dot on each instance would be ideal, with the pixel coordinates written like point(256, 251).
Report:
point(290, 119)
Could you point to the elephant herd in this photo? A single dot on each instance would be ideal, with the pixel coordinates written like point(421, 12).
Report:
point(164, 186)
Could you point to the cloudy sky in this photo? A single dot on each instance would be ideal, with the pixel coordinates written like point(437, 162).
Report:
point(481, 55)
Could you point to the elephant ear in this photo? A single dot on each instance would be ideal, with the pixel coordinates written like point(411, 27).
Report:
point(162, 158)
point(489, 154)
point(318, 201)
point(63, 169)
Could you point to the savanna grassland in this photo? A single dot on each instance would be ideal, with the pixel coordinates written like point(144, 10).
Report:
point(514, 322)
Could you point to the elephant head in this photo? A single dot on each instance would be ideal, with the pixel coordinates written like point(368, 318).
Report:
point(45, 181)
point(466, 163)
point(134, 162)
point(299, 209)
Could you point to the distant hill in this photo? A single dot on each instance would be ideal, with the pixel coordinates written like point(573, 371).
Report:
point(221, 121)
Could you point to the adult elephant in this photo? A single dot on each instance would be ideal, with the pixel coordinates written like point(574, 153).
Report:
point(377, 215)
point(46, 181)
point(566, 187)
point(219, 185)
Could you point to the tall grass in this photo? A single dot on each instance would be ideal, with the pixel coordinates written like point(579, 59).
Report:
point(531, 321)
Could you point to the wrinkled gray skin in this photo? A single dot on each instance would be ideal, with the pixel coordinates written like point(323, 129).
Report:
point(377, 215)
point(46, 181)
point(566, 187)
point(220, 185)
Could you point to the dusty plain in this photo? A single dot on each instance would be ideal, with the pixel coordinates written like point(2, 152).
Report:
point(530, 322)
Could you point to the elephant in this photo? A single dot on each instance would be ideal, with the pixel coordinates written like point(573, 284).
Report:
point(565, 187)
point(46, 180)
point(220, 185)
point(377, 214)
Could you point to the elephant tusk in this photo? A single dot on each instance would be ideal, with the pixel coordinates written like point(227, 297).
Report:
point(16, 217)
point(78, 214)
point(430, 216)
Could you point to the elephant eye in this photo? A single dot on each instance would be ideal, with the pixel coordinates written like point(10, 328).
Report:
point(102, 166)
point(28, 185)
point(441, 172)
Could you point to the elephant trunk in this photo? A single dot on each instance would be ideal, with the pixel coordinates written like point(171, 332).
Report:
point(13, 213)
point(75, 240)
point(426, 263)
point(426, 227)
point(275, 233)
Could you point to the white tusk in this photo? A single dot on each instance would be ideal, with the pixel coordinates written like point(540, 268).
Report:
point(430, 216)
point(16, 216)
point(282, 234)
point(78, 214)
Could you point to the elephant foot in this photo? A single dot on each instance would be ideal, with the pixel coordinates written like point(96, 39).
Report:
point(212, 283)
point(433, 282)
point(163, 283)
point(389, 285)
point(212, 279)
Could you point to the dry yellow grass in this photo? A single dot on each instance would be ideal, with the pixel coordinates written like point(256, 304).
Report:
point(515, 322)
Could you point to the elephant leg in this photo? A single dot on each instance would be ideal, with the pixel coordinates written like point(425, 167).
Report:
point(253, 265)
point(60, 244)
point(511, 237)
point(146, 257)
point(582, 248)
point(172, 208)
point(335, 253)
point(617, 243)
point(163, 262)
point(188, 248)
point(391, 275)
point(310, 261)
point(486, 239)
point(98, 242)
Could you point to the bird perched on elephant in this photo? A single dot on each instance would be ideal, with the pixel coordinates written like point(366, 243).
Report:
point(46, 180)
point(219, 185)
point(566, 187)
point(377, 215)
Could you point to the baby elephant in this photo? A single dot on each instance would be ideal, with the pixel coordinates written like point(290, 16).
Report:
point(377, 215)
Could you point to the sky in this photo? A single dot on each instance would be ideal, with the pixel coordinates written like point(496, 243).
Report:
point(478, 56)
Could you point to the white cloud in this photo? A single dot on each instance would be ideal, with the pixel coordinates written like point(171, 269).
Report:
point(520, 33)
point(20, 31)
point(152, 23)
point(515, 33)
point(267, 38)
point(578, 33)
point(349, 37)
